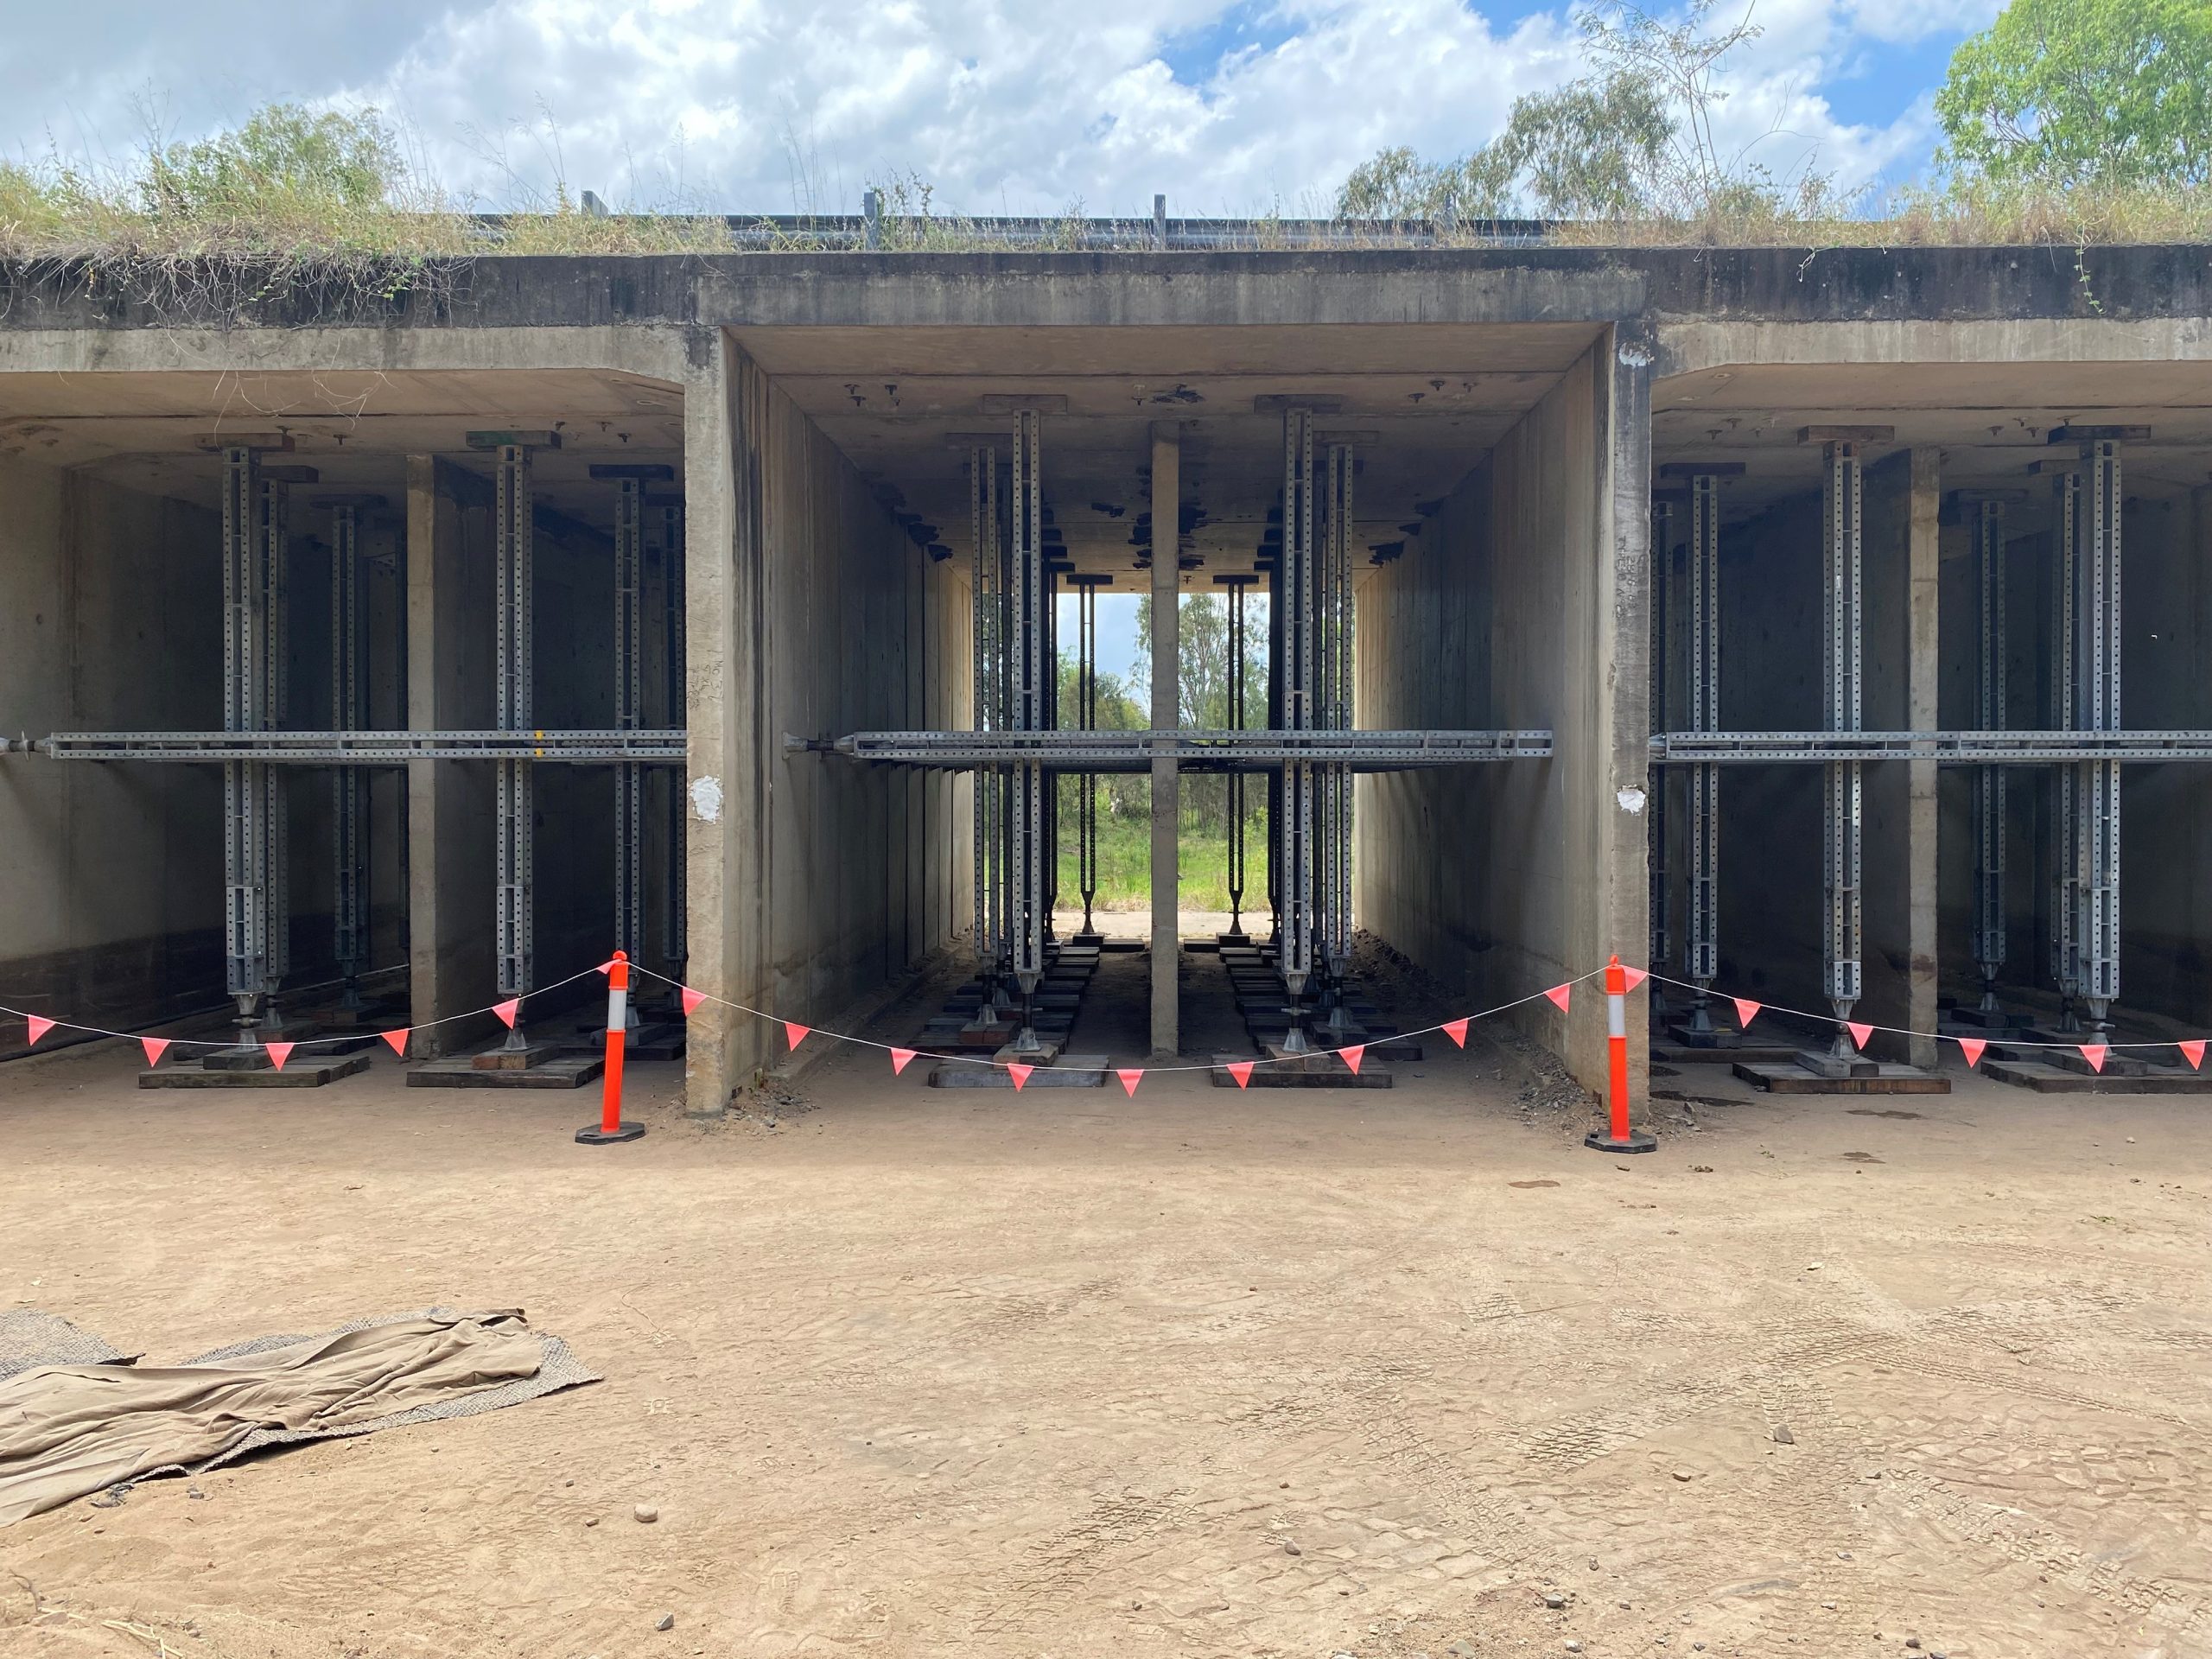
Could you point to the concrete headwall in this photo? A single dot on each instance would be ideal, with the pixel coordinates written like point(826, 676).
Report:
point(1519, 608)
point(110, 880)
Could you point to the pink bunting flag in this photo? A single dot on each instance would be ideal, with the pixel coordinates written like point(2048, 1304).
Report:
point(2194, 1051)
point(2095, 1054)
point(900, 1057)
point(154, 1047)
point(508, 1011)
point(1972, 1048)
point(278, 1053)
point(1746, 1010)
point(1131, 1077)
point(1019, 1073)
point(1858, 1033)
point(1559, 994)
point(1241, 1071)
point(692, 1000)
point(606, 967)
point(1352, 1056)
point(1457, 1031)
point(1635, 976)
point(795, 1034)
point(398, 1039)
point(39, 1024)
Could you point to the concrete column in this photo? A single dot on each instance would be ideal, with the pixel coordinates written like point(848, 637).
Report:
point(450, 878)
point(1923, 673)
point(1615, 675)
point(722, 805)
point(1166, 795)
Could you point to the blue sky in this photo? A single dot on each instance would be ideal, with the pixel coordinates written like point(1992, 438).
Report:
point(1227, 105)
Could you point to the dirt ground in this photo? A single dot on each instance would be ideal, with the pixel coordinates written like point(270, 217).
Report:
point(916, 1371)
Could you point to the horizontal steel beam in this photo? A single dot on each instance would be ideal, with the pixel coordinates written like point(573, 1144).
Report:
point(1225, 751)
point(363, 748)
point(2007, 748)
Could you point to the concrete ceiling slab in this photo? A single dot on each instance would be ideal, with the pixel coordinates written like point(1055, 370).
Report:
point(1425, 402)
point(149, 431)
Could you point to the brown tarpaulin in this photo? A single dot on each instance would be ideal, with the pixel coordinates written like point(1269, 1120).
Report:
point(69, 1430)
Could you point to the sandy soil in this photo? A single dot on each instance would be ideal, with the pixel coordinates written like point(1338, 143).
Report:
point(919, 1371)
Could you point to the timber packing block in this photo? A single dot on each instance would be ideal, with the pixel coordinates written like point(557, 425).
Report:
point(298, 1074)
point(1069, 1071)
point(1790, 1078)
point(571, 1071)
point(1302, 1074)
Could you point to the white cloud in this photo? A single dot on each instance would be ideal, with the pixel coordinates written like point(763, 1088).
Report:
point(1015, 106)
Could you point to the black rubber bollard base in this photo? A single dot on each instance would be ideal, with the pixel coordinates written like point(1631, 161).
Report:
point(593, 1135)
point(1637, 1142)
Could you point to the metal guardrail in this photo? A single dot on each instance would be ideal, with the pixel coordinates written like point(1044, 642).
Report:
point(873, 229)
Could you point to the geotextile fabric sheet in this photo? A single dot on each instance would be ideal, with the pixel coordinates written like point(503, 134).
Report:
point(78, 1418)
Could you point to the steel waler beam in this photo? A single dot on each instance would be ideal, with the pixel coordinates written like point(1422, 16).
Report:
point(349, 784)
point(1843, 638)
point(1989, 802)
point(514, 535)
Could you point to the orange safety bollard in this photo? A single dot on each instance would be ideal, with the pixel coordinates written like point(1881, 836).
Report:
point(1618, 1136)
point(611, 1128)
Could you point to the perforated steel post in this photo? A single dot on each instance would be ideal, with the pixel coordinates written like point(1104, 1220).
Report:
point(1989, 804)
point(514, 535)
point(245, 803)
point(1655, 827)
point(1843, 648)
point(1702, 933)
point(349, 784)
point(1294, 938)
point(1029, 658)
point(2096, 837)
point(629, 702)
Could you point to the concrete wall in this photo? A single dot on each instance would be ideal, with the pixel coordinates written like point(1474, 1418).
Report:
point(813, 880)
point(110, 885)
point(1523, 605)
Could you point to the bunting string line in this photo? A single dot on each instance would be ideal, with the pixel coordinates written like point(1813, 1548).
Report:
point(795, 1033)
point(2192, 1049)
point(1456, 1029)
point(396, 1037)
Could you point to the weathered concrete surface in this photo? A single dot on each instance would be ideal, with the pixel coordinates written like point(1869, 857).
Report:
point(806, 886)
point(450, 804)
point(1525, 606)
point(110, 882)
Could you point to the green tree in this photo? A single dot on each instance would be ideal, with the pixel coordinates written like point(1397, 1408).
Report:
point(2081, 92)
point(286, 158)
point(1635, 137)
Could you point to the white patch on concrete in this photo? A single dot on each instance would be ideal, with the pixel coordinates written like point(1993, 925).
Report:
point(1633, 356)
point(1631, 799)
point(707, 799)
